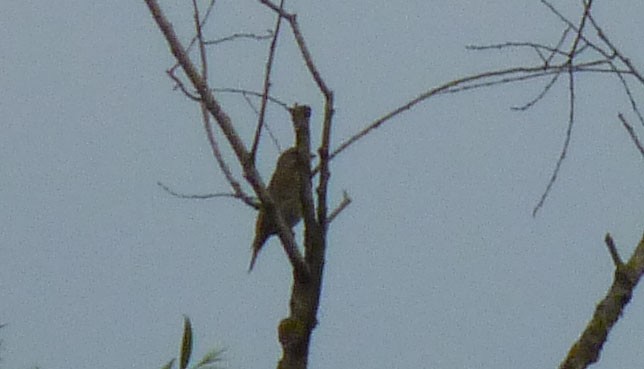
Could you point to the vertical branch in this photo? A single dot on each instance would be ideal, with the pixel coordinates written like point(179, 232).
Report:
point(571, 115)
point(328, 115)
point(301, 115)
point(295, 331)
point(580, 31)
point(564, 150)
point(325, 174)
point(267, 84)
point(328, 112)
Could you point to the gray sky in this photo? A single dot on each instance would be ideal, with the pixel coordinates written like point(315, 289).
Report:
point(437, 263)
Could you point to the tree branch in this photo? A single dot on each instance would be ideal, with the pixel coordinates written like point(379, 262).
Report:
point(225, 123)
point(267, 83)
point(589, 345)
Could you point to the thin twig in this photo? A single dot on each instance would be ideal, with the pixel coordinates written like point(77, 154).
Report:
point(571, 111)
point(620, 76)
point(563, 37)
point(192, 42)
point(631, 132)
point(580, 31)
point(171, 70)
point(573, 26)
point(506, 45)
point(564, 149)
point(587, 67)
point(179, 84)
point(452, 86)
point(267, 84)
point(180, 195)
point(631, 68)
point(238, 36)
point(252, 93)
point(602, 35)
point(539, 97)
point(268, 127)
point(617, 260)
point(214, 145)
point(245, 94)
point(346, 201)
point(306, 54)
point(308, 59)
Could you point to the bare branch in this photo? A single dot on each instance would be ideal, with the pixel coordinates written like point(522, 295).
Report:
point(564, 149)
point(452, 86)
point(323, 151)
point(631, 69)
point(197, 80)
point(301, 117)
point(223, 166)
point(563, 37)
point(306, 54)
point(308, 59)
point(615, 51)
point(238, 36)
point(192, 42)
point(574, 27)
point(252, 93)
point(593, 66)
point(267, 84)
point(246, 94)
point(613, 251)
point(179, 84)
point(328, 112)
point(580, 31)
point(589, 345)
point(268, 127)
point(571, 117)
point(346, 201)
point(487, 79)
point(620, 75)
point(180, 195)
point(225, 123)
point(539, 97)
point(505, 45)
point(631, 133)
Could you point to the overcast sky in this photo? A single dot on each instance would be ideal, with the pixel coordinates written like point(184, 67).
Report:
point(437, 263)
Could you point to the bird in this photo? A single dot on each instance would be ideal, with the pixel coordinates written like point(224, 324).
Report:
point(284, 188)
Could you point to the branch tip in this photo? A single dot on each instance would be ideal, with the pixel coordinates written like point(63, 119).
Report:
point(617, 260)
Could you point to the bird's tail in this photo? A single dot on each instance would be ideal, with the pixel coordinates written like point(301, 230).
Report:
point(253, 259)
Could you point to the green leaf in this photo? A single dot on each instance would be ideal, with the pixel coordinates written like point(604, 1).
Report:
point(186, 344)
point(212, 357)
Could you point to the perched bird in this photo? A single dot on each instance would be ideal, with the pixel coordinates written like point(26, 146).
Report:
point(284, 189)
